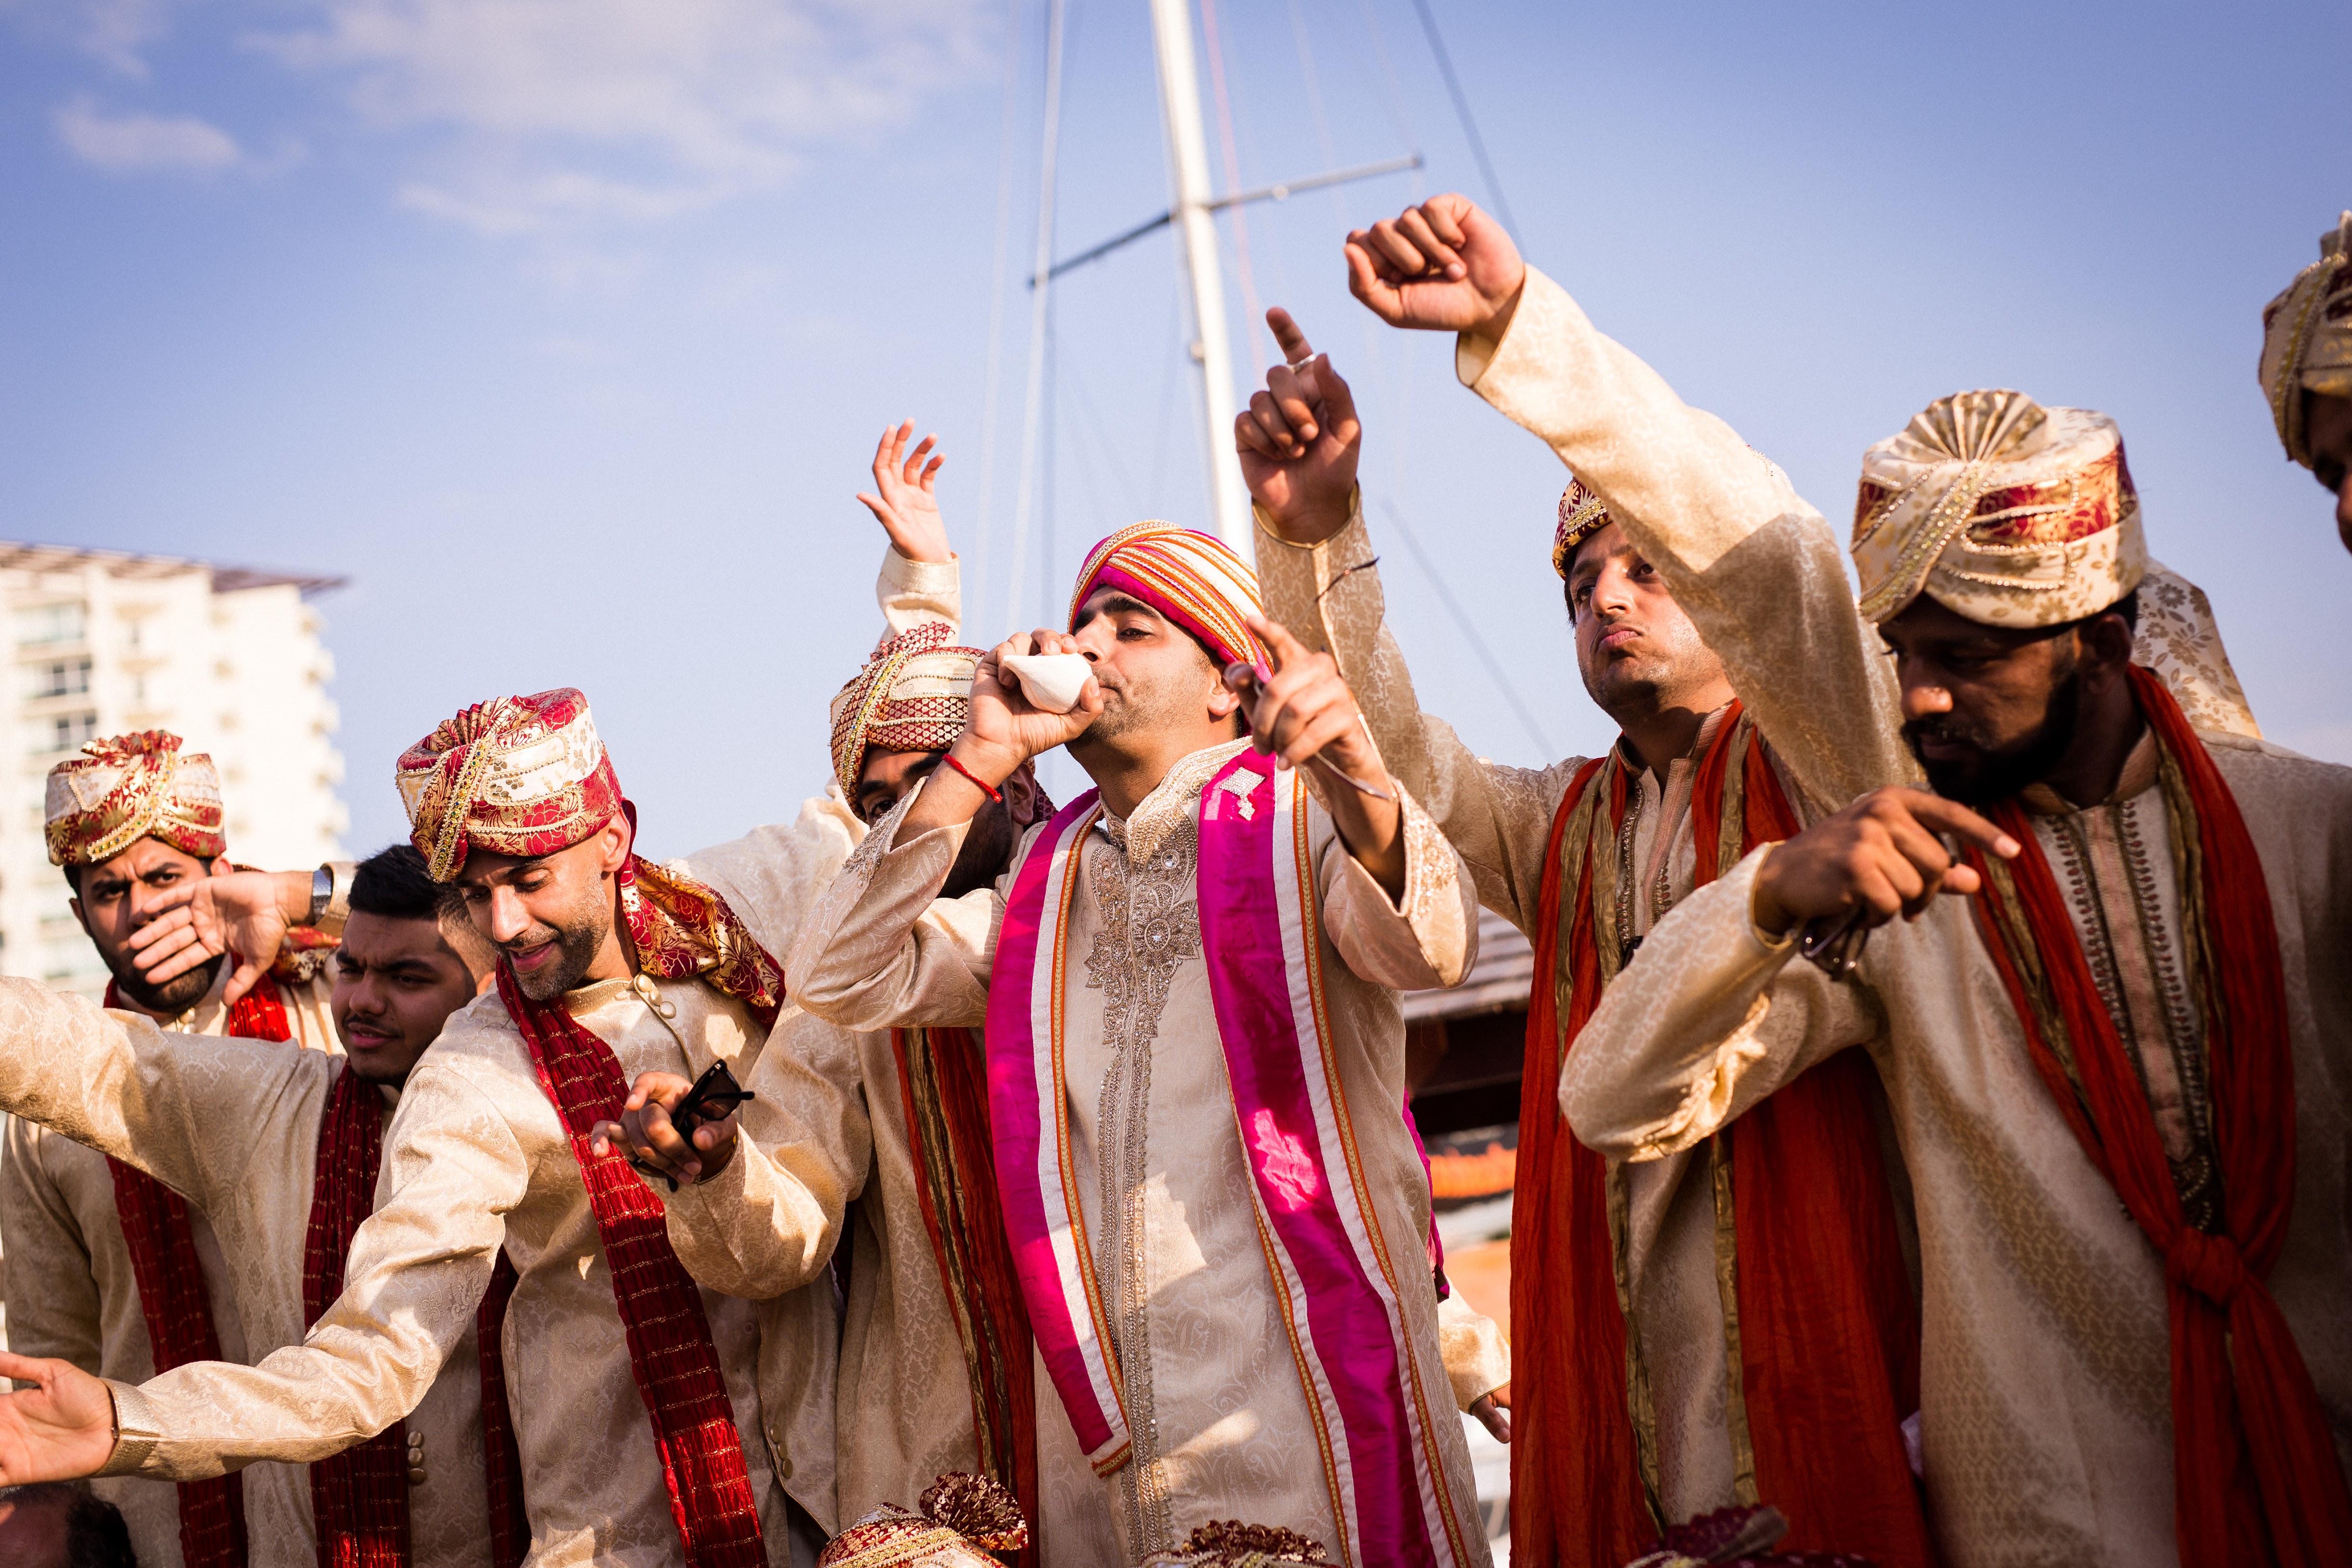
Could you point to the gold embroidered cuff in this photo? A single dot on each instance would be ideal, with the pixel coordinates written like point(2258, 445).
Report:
point(135, 1432)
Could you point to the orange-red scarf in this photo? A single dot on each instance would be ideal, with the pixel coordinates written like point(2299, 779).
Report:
point(670, 1351)
point(2254, 1468)
point(1824, 1325)
point(163, 1248)
point(943, 1084)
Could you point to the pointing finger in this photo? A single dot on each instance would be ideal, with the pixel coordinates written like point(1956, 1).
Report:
point(1941, 815)
point(1287, 335)
point(1280, 646)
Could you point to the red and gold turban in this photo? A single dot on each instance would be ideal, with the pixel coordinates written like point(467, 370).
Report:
point(515, 776)
point(958, 1523)
point(2307, 337)
point(130, 787)
point(1192, 578)
point(1999, 509)
point(1581, 516)
point(914, 695)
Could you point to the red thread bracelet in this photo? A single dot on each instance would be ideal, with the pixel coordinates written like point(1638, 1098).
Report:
point(985, 788)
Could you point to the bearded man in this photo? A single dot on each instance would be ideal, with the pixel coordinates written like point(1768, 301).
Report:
point(1200, 1160)
point(642, 1433)
point(2306, 369)
point(288, 1190)
point(109, 1269)
point(2117, 1063)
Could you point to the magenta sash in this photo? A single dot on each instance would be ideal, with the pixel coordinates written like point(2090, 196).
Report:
point(1036, 1181)
point(1335, 1281)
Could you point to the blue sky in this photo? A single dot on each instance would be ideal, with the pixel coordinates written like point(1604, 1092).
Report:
point(564, 327)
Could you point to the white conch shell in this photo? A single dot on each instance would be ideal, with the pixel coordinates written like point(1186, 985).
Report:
point(1051, 682)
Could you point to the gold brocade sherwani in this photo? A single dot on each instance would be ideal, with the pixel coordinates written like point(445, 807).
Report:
point(72, 1295)
point(476, 1159)
point(233, 1126)
point(2046, 1383)
point(1219, 1424)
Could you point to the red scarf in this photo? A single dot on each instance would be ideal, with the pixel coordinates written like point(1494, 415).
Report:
point(2254, 1468)
point(359, 1498)
point(163, 1248)
point(1826, 1329)
point(670, 1352)
point(943, 1084)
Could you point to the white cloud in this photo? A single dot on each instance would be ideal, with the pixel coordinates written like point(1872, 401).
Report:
point(113, 31)
point(563, 114)
point(125, 144)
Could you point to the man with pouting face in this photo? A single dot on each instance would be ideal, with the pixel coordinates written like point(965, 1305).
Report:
point(281, 1150)
point(1585, 856)
point(2306, 369)
point(109, 1269)
point(1195, 1059)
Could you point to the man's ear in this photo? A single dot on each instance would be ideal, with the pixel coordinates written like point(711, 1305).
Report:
point(2106, 647)
point(1224, 700)
point(221, 866)
point(1021, 796)
point(618, 838)
point(73, 901)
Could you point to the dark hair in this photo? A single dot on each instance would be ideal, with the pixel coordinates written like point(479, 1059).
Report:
point(394, 883)
point(2128, 608)
point(95, 1536)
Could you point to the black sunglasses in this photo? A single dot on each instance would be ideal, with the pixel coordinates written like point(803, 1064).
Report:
point(714, 1097)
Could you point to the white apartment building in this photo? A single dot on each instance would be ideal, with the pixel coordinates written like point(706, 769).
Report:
point(228, 659)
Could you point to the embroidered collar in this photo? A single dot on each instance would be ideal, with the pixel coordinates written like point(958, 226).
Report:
point(1171, 803)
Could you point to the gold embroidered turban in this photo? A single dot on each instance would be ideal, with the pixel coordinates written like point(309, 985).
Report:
point(1999, 509)
point(958, 1523)
point(914, 695)
point(1194, 579)
point(130, 787)
point(515, 776)
point(1581, 516)
point(2307, 337)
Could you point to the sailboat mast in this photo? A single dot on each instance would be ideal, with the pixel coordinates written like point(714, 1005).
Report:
point(1188, 173)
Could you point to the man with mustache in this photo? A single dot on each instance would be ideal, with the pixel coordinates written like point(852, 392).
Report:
point(642, 1437)
point(286, 1190)
point(1196, 1061)
point(1585, 856)
point(108, 1267)
point(2118, 1058)
point(2306, 369)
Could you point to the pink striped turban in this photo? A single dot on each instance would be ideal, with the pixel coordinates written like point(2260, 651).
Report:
point(1193, 578)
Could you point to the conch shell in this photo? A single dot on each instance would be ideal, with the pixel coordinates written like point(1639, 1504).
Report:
point(1051, 682)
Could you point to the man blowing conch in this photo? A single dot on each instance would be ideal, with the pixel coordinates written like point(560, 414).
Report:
point(1196, 1061)
point(642, 1435)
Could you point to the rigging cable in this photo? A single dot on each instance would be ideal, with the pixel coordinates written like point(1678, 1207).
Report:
point(1469, 631)
point(1048, 158)
point(1462, 107)
point(989, 397)
point(1250, 305)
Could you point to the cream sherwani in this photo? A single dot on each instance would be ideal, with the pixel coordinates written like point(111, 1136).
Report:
point(233, 1126)
point(476, 1159)
point(2044, 1386)
point(1758, 572)
point(72, 1294)
point(1219, 1424)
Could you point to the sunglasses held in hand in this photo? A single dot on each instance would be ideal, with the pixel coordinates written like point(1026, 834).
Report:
point(713, 1098)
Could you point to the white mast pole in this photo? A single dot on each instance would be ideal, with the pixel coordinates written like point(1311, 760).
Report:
point(1188, 172)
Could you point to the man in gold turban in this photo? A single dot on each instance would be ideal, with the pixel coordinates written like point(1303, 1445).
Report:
point(2130, 1343)
point(109, 1269)
point(2306, 369)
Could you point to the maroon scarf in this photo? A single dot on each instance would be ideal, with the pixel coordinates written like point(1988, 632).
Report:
point(670, 1354)
point(163, 1248)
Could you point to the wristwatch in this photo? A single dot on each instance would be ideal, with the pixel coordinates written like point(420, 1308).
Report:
point(330, 898)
